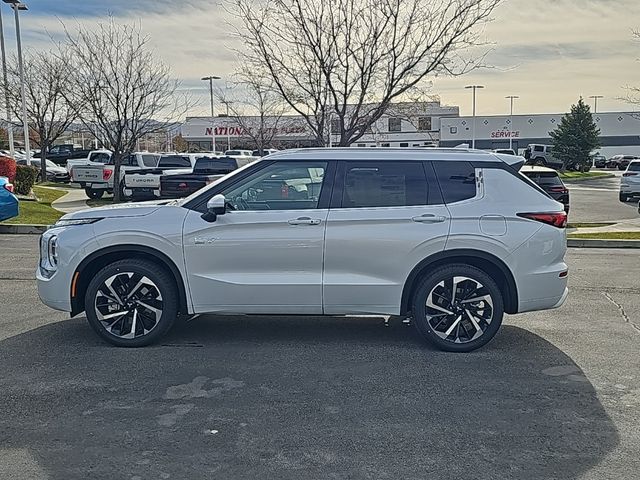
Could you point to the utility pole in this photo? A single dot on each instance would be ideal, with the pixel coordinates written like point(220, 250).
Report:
point(512, 98)
point(595, 102)
point(473, 125)
point(210, 79)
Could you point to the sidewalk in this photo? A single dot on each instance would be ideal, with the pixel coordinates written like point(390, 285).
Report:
point(621, 226)
point(73, 201)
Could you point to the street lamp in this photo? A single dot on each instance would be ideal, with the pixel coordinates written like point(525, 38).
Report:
point(17, 6)
point(512, 98)
point(473, 125)
point(595, 102)
point(210, 79)
point(6, 88)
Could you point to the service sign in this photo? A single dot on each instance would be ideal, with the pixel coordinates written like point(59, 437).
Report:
point(505, 134)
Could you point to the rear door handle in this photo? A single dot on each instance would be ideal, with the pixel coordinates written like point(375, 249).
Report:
point(304, 221)
point(429, 218)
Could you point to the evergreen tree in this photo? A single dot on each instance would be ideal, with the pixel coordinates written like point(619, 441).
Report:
point(576, 137)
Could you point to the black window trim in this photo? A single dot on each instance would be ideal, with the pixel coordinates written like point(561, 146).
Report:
point(199, 204)
point(427, 168)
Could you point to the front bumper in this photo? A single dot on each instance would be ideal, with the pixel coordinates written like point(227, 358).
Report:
point(54, 291)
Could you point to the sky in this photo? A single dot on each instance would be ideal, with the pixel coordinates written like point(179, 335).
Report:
point(548, 52)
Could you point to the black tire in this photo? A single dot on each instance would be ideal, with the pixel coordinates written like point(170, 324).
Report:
point(623, 197)
point(152, 304)
point(439, 324)
point(539, 161)
point(93, 194)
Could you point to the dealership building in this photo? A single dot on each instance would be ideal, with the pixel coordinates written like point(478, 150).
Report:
point(619, 131)
point(404, 125)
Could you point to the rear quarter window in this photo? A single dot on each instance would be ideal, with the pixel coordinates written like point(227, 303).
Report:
point(457, 180)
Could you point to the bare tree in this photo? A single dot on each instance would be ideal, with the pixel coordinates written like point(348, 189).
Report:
point(633, 92)
point(350, 59)
point(256, 107)
point(49, 115)
point(120, 88)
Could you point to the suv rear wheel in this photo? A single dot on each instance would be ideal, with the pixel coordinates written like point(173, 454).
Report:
point(458, 308)
point(131, 303)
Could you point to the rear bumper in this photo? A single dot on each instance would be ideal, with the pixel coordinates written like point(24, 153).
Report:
point(630, 188)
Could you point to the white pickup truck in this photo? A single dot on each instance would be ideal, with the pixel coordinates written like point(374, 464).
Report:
point(95, 157)
point(98, 178)
point(145, 183)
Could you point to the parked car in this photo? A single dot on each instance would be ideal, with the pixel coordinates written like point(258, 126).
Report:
point(264, 152)
point(9, 206)
point(145, 183)
point(95, 157)
point(98, 179)
point(599, 161)
point(55, 173)
point(59, 154)
point(238, 153)
point(549, 180)
point(630, 181)
point(505, 151)
point(453, 238)
point(205, 171)
point(542, 155)
point(621, 162)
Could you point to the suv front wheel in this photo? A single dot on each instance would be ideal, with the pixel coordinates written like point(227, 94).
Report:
point(131, 303)
point(458, 308)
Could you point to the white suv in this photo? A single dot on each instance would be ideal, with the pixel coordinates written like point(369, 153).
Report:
point(453, 238)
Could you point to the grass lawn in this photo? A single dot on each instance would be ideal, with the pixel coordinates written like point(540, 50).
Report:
point(607, 235)
point(40, 212)
point(583, 175)
point(589, 225)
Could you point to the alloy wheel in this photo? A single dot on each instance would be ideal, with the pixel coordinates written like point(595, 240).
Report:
point(459, 309)
point(128, 305)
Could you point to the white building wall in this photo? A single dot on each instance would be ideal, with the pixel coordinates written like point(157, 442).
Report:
point(619, 131)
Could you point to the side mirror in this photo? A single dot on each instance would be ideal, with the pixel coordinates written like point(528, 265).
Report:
point(217, 205)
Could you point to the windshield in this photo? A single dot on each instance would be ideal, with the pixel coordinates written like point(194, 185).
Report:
point(213, 184)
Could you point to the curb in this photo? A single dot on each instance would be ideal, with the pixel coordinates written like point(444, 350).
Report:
point(20, 229)
point(601, 243)
point(586, 179)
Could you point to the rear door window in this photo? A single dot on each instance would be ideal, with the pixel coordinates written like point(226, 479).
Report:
point(384, 184)
point(174, 161)
point(457, 180)
point(150, 160)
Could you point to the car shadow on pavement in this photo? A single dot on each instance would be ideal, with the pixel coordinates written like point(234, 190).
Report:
point(266, 397)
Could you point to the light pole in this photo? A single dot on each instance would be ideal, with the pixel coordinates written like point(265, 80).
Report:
point(512, 98)
point(17, 6)
point(211, 78)
point(595, 102)
point(6, 88)
point(473, 125)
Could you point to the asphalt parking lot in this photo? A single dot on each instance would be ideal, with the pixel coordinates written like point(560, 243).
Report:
point(555, 395)
point(597, 201)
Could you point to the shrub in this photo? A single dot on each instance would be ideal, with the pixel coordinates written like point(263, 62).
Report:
point(26, 176)
point(8, 168)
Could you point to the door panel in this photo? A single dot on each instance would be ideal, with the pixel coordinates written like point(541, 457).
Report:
point(395, 218)
point(264, 255)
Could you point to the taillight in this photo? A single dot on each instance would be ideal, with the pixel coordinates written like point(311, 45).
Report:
point(8, 186)
point(629, 174)
point(182, 186)
point(106, 174)
point(558, 219)
point(558, 189)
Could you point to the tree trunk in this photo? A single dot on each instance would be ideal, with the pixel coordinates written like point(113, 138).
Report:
point(117, 161)
point(44, 145)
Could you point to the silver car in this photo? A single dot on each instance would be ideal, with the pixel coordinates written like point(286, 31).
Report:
point(630, 181)
point(452, 238)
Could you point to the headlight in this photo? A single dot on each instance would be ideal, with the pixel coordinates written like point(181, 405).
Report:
point(79, 221)
point(48, 253)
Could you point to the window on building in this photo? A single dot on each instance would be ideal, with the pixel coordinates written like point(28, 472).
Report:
point(362, 144)
point(384, 184)
point(424, 124)
point(404, 145)
point(335, 126)
point(457, 180)
point(385, 144)
point(395, 124)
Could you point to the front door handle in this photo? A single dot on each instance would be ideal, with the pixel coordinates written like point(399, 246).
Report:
point(304, 221)
point(429, 218)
